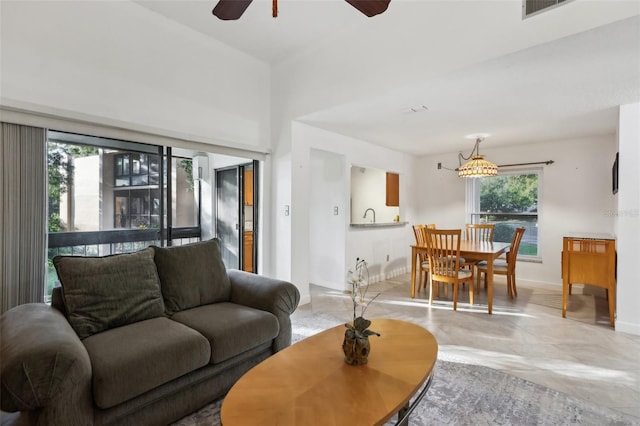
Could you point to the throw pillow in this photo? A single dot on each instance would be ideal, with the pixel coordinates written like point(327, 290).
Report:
point(101, 293)
point(192, 275)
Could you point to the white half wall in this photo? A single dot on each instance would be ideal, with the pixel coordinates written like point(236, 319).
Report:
point(628, 220)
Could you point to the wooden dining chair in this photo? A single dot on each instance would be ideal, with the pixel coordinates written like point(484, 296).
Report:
point(479, 231)
point(443, 248)
point(423, 259)
point(507, 268)
point(420, 235)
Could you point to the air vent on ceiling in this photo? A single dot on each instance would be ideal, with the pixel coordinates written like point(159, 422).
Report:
point(533, 7)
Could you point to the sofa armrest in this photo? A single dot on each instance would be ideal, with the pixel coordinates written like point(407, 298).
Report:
point(45, 369)
point(279, 297)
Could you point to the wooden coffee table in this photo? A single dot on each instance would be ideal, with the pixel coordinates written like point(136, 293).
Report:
point(309, 383)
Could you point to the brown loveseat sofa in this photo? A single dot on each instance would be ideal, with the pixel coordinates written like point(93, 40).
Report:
point(139, 339)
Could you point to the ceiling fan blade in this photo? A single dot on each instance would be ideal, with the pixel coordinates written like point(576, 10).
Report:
point(229, 10)
point(370, 7)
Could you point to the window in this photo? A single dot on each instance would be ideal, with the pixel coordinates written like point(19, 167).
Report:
point(133, 169)
point(510, 200)
point(109, 196)
point(139, 208)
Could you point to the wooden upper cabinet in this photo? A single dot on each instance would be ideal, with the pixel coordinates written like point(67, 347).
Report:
point(248, 187)
point(393, 189)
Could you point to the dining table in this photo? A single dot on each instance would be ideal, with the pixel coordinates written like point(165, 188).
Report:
point(469, 250)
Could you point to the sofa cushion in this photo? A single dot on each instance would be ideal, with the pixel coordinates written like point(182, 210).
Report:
point(192, 275)
point(230, 328)
point(107, 292)
point(130, 360)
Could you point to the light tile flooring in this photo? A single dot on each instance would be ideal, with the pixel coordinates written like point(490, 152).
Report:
point(527, 337)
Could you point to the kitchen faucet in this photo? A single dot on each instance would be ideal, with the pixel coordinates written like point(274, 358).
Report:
point(374, 214)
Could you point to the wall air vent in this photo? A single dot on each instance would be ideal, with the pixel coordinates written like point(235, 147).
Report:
point(533, 7)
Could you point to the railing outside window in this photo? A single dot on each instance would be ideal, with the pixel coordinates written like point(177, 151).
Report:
point(103, 243)
point(505, 226)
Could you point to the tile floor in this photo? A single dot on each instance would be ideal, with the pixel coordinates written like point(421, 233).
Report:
point(527, 337)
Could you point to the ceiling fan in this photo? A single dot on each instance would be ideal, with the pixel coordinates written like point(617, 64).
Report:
point(233, 9)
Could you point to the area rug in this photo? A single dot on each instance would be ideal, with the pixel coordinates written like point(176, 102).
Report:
point(464, 394)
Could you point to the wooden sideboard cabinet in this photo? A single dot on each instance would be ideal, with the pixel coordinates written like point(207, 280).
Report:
point(589, 259)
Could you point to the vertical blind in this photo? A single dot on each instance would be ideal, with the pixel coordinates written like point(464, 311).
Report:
point(23, 210)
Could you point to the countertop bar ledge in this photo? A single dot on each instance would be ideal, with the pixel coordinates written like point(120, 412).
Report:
point(378, 225)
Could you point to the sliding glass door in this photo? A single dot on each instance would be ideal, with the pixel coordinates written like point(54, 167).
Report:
point(237, 215)
point(228, 215)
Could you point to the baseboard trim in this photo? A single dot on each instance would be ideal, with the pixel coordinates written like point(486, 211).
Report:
point(627, 327)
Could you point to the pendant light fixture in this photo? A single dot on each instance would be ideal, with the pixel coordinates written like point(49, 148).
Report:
point(476, 165)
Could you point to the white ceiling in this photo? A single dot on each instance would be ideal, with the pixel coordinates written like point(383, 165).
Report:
point(563, 89)
point(300, 23)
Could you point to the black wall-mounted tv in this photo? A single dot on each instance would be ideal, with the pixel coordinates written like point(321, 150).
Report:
point(614, 175)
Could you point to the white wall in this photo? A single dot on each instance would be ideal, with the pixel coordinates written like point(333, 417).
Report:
point(576, 194)
point(115, 60)
point(281, 221)
point(327, 233)
point(372, 244)
point(440, 193)
point(117, 64)
point(628, 220)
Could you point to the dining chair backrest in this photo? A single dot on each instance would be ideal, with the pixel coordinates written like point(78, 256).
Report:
point(479, 232)
point(443, 247)
point(513, 249)
point(419, 231)
point(424, 230)
point(419, 234)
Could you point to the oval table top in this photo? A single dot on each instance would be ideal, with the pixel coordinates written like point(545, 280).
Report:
point(309, 382)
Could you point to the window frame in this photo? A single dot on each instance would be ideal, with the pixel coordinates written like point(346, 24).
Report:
point(473, 213)
point(123, 239)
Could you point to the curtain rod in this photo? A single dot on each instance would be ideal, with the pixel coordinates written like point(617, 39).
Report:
point(527, 164)
point(440, 166)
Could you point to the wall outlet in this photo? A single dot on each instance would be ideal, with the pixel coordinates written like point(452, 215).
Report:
point(335, 210)
point(387, 258)
point(286, 210)
point(439, 166)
